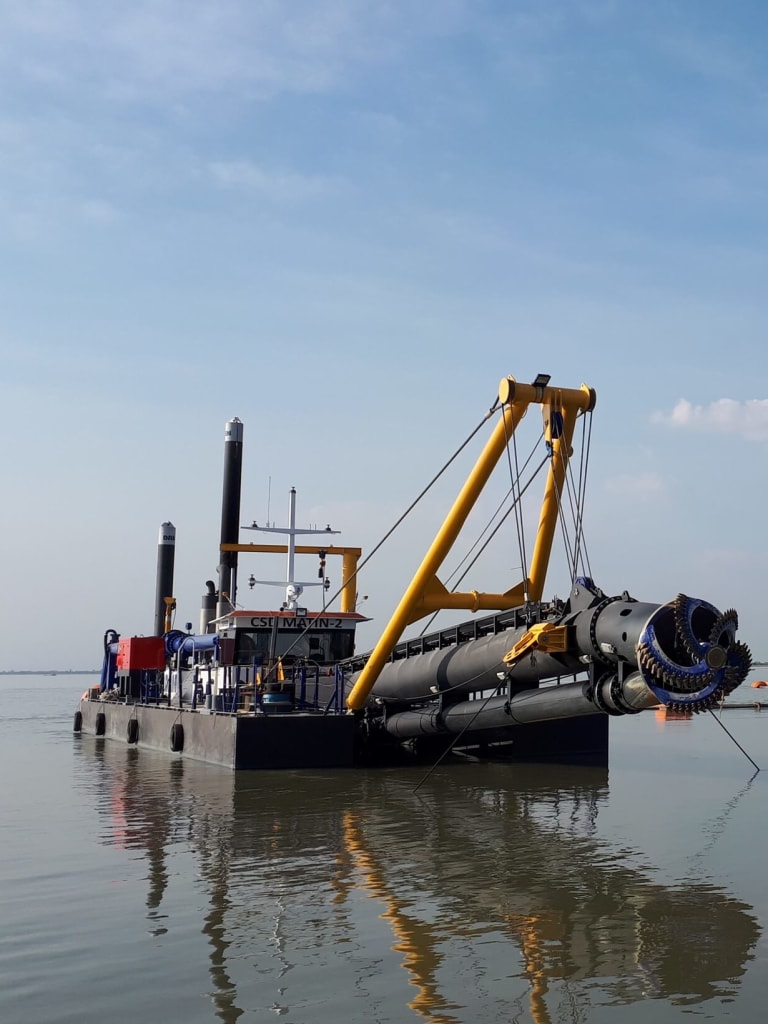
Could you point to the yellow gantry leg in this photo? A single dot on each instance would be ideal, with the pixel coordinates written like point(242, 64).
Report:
point(550, 506)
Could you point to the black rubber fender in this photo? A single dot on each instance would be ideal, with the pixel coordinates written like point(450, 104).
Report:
point(132, 731)
point(177, 737)
point(77, 725)
point(100, 724)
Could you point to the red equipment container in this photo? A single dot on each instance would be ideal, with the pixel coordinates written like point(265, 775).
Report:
point(138, 652)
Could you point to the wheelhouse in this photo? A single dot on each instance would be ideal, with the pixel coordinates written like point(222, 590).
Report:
point(257, 638)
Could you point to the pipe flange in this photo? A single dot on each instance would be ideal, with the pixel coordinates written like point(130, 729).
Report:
point(617, 696)
point(599, 700)
point(596, 612)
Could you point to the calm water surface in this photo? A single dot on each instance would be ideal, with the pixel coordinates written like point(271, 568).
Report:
point(140, 888)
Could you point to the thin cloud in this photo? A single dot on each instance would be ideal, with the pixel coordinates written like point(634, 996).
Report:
point(283, 187)
point(171, 51)
point(707, 58)
point(637, 486)
point(747, 419)
point(165, 49)
point(99, 211)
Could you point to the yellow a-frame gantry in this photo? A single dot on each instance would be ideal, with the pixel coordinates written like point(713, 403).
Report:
point(426, 594)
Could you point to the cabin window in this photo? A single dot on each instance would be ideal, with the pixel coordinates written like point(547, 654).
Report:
point(324, 646)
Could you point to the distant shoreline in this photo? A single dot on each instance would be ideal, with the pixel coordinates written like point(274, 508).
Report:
point(50, 672)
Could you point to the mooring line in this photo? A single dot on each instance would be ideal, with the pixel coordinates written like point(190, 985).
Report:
point(756, 767)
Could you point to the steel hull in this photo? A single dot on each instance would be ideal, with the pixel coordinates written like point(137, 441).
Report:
point(293, 740)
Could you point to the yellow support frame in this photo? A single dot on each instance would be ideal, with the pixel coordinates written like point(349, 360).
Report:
point(349, 560)
point(426, 593)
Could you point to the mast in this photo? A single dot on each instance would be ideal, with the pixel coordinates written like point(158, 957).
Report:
point(293, 589)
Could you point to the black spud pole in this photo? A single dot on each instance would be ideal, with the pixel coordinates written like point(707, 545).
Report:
point(230, 513)
point(166, 552)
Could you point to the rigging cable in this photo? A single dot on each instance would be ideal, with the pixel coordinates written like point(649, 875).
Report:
point(517, 507)
point(516, 500)
point(405, 514)
point(586, 447)
point(573, 550)
point(489, 538)
point(577, 508)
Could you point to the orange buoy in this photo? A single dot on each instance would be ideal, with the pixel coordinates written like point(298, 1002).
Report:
point(665, 714)
point(759, 682)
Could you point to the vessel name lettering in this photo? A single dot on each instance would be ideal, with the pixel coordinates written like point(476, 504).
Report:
point(268, 621)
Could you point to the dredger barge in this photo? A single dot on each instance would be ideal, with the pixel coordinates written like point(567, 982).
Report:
point(523, 678)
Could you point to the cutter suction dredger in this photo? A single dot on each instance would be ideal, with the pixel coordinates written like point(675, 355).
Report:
point(282, 687)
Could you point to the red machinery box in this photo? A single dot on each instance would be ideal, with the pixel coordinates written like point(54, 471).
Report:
point(137, 652)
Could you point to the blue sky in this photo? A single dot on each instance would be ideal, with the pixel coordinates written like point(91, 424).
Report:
point(344, 222)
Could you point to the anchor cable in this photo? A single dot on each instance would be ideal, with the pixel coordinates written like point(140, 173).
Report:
point(719, 722)
point(454, 741)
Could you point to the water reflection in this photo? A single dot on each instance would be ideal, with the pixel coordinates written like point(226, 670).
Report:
point(294, 863)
